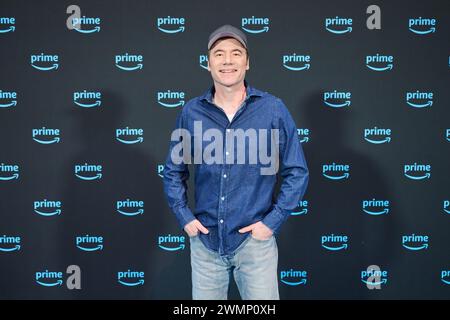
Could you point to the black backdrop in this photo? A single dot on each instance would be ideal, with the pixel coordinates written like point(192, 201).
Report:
point(171, 62)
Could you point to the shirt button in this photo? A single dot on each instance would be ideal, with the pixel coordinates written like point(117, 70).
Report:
point(221, 220)
point(227, 153)
point(228, 130)
point(224, 175)
point(223, 198)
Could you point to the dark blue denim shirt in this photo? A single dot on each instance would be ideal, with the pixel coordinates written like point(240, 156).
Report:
point(229, 197)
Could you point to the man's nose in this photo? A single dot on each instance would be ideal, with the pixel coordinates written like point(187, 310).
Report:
point(227, 59)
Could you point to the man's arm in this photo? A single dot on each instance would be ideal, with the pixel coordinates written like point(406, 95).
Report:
point(175, 178)
point(293, 170)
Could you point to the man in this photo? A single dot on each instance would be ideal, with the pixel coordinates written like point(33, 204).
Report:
point(233, 225)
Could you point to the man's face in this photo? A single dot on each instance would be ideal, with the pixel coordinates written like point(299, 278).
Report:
point(228, 62)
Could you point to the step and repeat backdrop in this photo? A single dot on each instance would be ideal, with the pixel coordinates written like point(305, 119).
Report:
point(89, 94)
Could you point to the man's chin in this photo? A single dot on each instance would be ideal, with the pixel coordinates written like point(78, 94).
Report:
point(229, 84)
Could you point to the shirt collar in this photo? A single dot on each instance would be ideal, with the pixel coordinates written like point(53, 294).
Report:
point(208, 95)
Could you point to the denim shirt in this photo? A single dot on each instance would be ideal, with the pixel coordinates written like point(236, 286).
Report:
point(230, 196)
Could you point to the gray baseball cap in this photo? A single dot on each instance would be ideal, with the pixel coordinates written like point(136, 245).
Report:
point(227, 31)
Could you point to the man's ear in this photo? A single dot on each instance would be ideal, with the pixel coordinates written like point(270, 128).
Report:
point(208, 66)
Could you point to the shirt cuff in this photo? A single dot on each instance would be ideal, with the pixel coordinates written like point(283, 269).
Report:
point(184, 216)
point(274, 219)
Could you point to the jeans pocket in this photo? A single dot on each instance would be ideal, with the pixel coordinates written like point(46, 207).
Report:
point(261, 240)
point(194, 237)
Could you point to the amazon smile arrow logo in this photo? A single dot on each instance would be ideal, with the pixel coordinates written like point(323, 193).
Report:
point(345, 168)
point(13, 103)
point(344, 25)
point(172, 105)
point(99, 247)
point(376, 213)
point(420, 105)
point(14, 176)
point(417, 168)
point(129, 59)
point(85, 243)
point(9, 243)
point(422, 23)
point(417, 242)
point(8, 95)
point(130, 214)
point(87, 95)
point(385, 140)
point(344, 246)
point(291, 283)
point(52, 284)
point(335, 239)
point(139, 275)
point(173, 240)
point(15, 248)
point(305, 67)
point(86, 21)
point(425, 176)
point(54, 140)
point(46, 132)
point(298, 213)
point(264, 29)
point(49, 278)
point(374, 277)
point(431, 30)
point(342, 99)
point(171, 21)
point(378, 59)
point(374, 283)
point(424, 246)
point(47, 59)
point(49, 214)
point(338, 105)
point(171, 95)
point(10, 29)
point(95, 169)
point(180, 29)
point(130, 204)
point(88, 105)
point(52, 67)
point(11, 171)
point(344, 176)
point(96, 29)
point(137, 140)
point(262, 23)
point(294, 58)
point(130, 132)
point(180, 247)
point(292, 274)
point(97, 176)
point(387, 67)
point(7, 20)
point(346, 30)
point(426, 97)
point(132, 284)
point(137, 67)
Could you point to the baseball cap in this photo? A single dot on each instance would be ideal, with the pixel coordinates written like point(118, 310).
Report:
point(227, 31)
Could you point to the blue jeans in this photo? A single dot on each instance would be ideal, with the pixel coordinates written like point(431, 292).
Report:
point(254, 266)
